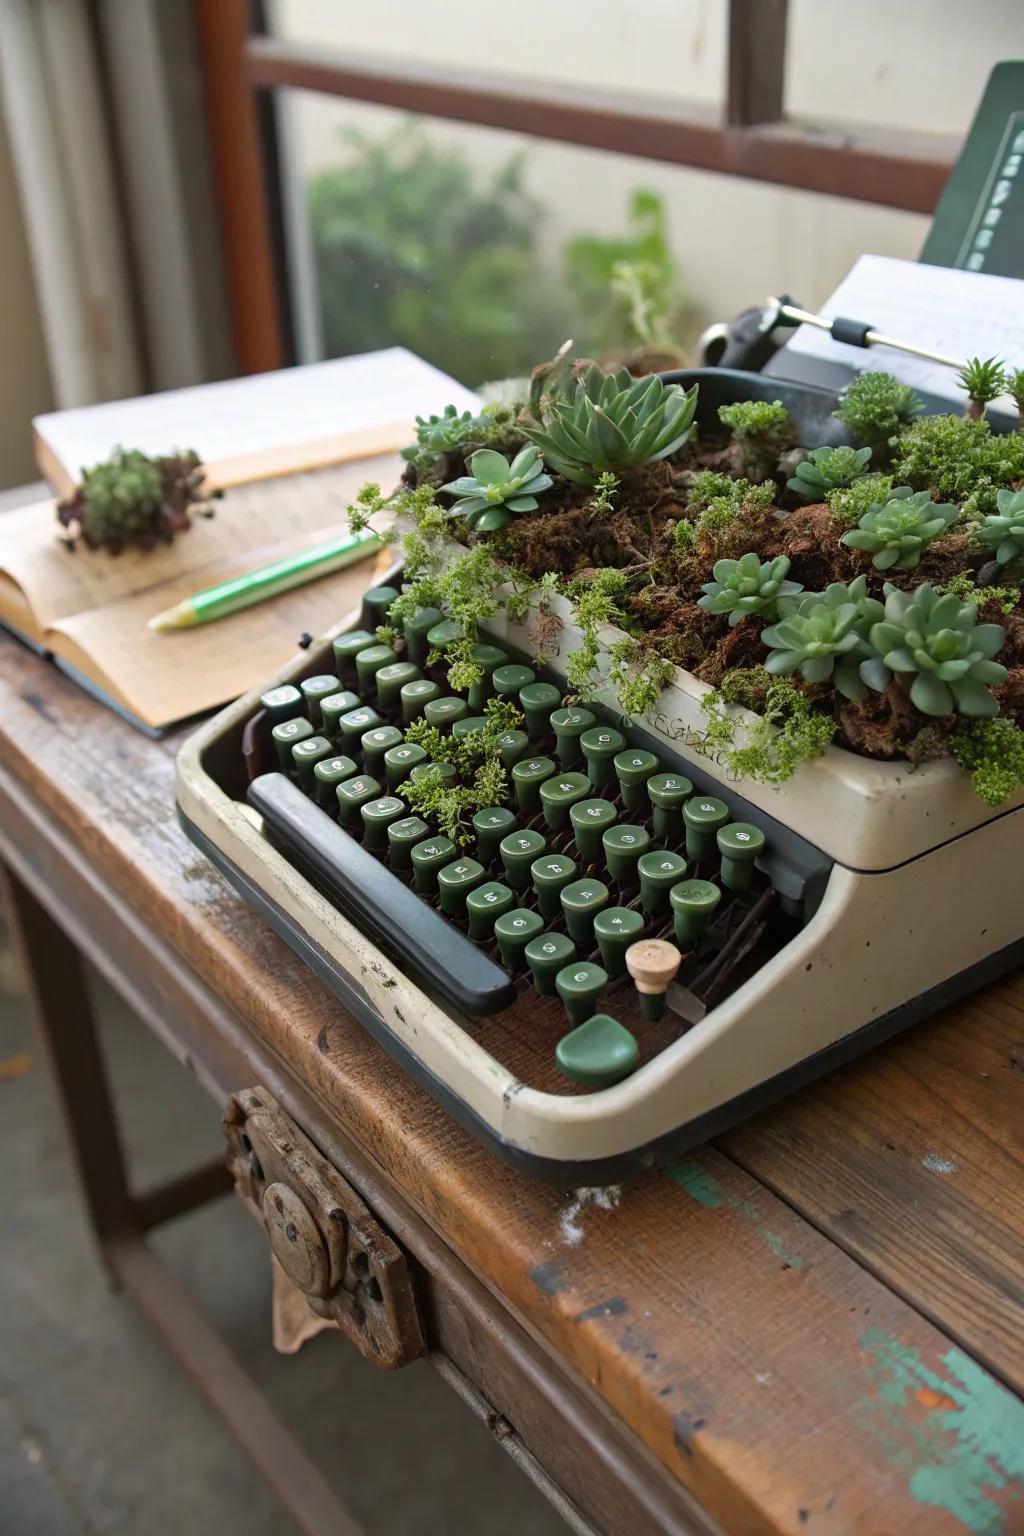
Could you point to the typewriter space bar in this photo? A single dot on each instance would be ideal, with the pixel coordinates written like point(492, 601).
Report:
point(425, 944)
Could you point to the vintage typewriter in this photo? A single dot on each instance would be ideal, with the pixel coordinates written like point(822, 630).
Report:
point(631, 953)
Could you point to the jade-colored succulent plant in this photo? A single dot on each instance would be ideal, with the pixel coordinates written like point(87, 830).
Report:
point(611, 421)
point(496, 489)
point(981, 380)
point(1015, 389)
point(937, 651)
point(748, 585)
point(436, 435)
point(828, 469)
point(877, 407)
point(1005, 531)
point(760, 431)
point(131, 498)
point(896, 533)
point(823, 635)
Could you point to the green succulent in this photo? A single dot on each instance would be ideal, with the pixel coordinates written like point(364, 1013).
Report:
point(760, 431)
point(938, 651)
point(1005, 532)
point(823, 635)
point(896, 533)
point(611, 421)
point(981, 380)
point(829, 469)
point(496, 489)
point(748, 585)
point(877, 407)
point(437, 435)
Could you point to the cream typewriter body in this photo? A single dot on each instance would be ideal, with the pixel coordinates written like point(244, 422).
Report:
point(816, 920)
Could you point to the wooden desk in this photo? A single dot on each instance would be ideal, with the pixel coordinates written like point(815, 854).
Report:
point(814, 1326)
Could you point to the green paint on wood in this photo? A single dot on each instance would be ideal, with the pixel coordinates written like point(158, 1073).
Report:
point(707, 1191)
point(959, 1435)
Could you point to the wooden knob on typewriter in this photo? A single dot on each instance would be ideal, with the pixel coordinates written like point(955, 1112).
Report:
point(653, 964)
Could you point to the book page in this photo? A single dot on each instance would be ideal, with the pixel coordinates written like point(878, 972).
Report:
point(959, 314)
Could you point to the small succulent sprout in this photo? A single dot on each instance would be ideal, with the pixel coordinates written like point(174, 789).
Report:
point(828, 469)
point(760, 431)
point(895, 534)
point(1005, 531)
point(496, 489)
point(823, 635)
point(1015, 389)
point(938, 652)
point(748, 585)
point(437, 435)
point(981, 380)
point(877, 407)
point(611, 421)
point(133, 499)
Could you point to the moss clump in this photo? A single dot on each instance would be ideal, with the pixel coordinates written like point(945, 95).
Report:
point(760, 429)
point(595, 603)
point(992, 752)
point(638, 675)
point(877, 407)
point(967, 591)
point(959, 460)
point(482, 780)
point(787, 732)
point(849, 503)
point(131, 498)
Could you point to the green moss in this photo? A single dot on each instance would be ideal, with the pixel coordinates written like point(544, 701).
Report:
point(849, 503)
point(992, 752)
point(638, 676)
point(482, 782)
point(963, 587)
point(959, 460)
point(595, 602)
point(602, 503)
point(787, 733)
point(747, 686)
point(760, 431)
point(877, 408)
point(709, 484)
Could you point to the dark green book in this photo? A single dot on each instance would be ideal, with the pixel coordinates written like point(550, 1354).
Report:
point(979, 223)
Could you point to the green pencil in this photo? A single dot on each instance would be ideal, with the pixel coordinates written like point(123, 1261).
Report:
point(256, 586)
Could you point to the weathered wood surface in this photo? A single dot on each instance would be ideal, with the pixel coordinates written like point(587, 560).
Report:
point(793, 1322)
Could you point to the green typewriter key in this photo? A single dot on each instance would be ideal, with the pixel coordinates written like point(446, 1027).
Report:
point(615, 929)
point(527, 777)
point(659, 871)
point(549, 874)
point(632, 769)
point(513, 931)
point(416, 631)
point(623, 847)
point(376, 602)
point(352, 795)
point(353, 726)
point(580, 987)
point(702, 817)
point(597, 1053)
point(315, 690)
point(399, 763)
point(328, 773)
point(546, 955)
point(455, 881)
point(518, 851)
point(415, 697)
point(444, 712)
point(282, 703)
point(443, 634)
point(468, 724)
point(392, 679)
point(306, 754)
point(739, 844)
point(568, 726)
point(334, 706)
point(484, 905)
point(537, 700)
point(490, 826)
point(668, 792)
point(378, 816)
point(693, 903)
point(428, 859)
point(590, 819)
point(376, 744)
point(581, 902)
point(446, 772)
point(512, 748)
point(509, 679)
point(600, 745)
point(347, 647)
point(287, 735)
point(368, 664)
point(559, 795)
point(486, 657)
point(402, 838)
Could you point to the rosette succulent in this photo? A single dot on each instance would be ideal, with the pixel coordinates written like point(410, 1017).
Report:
point(1005, 531)
point(437, 435)
point(748, 585)
point(495, 489)
point(611, 421)
point(823, 635)
point(938, 652)
point(828, 469)
point(896, 533)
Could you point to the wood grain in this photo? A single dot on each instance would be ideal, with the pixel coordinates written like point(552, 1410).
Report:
point(784, 1384)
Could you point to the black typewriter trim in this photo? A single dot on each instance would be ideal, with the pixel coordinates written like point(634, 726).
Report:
point(577, 1173)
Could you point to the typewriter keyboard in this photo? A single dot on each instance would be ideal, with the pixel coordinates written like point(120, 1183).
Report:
point(602, 908)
